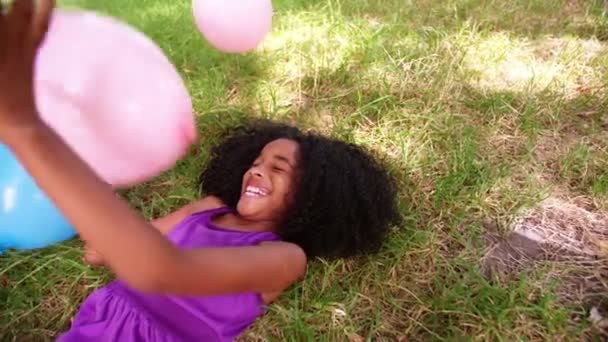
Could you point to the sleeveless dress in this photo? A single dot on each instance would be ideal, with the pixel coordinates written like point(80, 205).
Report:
point(117, 313)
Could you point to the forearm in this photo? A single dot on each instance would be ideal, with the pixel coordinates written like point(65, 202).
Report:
point(129, 244)
point(138, 253)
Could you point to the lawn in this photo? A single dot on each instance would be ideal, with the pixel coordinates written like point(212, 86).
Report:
point(484, 108)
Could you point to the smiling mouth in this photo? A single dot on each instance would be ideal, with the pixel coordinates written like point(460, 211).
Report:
point(253, 191)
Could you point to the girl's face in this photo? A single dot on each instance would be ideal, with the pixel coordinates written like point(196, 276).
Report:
point(268, 185)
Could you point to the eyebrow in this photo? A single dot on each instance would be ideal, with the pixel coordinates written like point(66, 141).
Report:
point(283, 159)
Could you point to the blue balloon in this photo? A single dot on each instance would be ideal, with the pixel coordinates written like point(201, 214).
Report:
point(28, 219)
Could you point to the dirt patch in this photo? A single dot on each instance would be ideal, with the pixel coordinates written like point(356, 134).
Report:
point(571, 236)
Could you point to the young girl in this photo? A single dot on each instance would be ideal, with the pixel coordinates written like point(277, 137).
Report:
point(276, 197)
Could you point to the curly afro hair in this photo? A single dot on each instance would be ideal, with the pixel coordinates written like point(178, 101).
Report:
point(345, 201)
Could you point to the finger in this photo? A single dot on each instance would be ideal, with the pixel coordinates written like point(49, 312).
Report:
point(19, 19)
point(3, 10)
point(22, 10)
point(44, 12)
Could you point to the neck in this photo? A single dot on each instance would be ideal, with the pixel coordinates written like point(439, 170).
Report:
point(236, 221)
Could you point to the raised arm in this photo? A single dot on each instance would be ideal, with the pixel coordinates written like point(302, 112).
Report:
point(138, 254)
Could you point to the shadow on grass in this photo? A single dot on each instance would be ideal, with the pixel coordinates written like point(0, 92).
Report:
point(564, 138)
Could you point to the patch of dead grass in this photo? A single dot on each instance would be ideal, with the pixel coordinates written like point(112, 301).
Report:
point(569, 238)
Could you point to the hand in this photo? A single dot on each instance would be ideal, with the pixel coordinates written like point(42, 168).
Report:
point(22, 30)
point(92, 257)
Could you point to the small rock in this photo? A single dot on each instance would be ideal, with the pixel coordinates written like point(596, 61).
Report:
point(597, 319)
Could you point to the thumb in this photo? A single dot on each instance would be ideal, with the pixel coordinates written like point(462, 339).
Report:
point(42, 18)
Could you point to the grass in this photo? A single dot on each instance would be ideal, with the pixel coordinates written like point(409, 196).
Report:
point(483, 106)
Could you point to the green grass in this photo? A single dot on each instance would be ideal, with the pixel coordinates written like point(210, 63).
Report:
point(483, 106)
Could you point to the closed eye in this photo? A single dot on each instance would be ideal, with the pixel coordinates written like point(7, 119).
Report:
point(278, 169)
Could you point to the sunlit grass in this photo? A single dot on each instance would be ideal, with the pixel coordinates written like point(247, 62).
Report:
point(500, 62)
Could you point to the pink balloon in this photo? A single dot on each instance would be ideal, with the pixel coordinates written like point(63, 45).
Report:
point(113, 96)
point(233, 25)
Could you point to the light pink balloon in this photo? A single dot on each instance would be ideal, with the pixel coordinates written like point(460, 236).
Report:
point(113, 96)
point(233, 25)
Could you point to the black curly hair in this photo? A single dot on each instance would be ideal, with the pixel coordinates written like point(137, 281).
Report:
point(345, 202)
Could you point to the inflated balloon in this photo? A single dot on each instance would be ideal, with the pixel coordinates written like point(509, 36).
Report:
point(113, 96)
point(233, 25)
point(28, 219)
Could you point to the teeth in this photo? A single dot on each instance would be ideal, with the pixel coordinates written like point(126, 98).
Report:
point(252, 190)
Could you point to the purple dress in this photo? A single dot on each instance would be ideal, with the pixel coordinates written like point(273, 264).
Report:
point(117, 313)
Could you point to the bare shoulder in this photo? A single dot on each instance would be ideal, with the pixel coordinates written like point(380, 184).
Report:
point(166, 223)
point(206, 203)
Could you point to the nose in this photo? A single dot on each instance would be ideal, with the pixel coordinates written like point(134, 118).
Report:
point(256, 172)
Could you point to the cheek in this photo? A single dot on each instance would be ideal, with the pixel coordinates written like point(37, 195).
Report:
point(286, 189)
point(245, 177)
